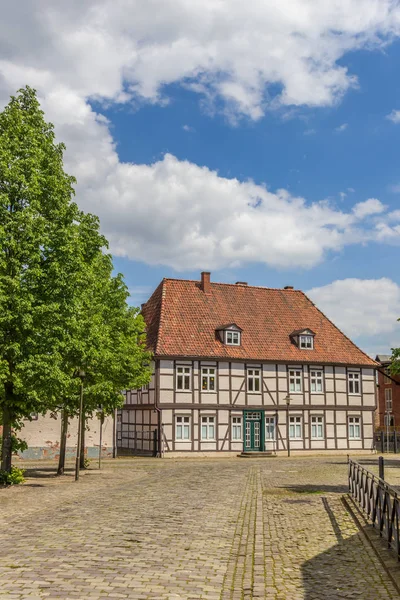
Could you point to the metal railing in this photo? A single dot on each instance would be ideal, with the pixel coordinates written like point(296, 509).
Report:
point(378, 500)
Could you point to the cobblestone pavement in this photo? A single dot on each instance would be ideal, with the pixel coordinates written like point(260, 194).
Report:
point(221, 529)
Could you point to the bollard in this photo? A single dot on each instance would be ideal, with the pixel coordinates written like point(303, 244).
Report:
point(382, 442)
point(395, 442)
point(381, 467)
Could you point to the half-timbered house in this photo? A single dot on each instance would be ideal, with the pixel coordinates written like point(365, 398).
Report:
point(239, 368)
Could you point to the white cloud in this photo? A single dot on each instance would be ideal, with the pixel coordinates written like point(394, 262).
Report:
point(367, 208)
point(395, 188)
point(365, 309)
point(231, 53)
point(237, 51)
point(341, 127)
point(394, 116)
point(188, 128)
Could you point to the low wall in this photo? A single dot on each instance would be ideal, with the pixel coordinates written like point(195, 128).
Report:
point(43, 438)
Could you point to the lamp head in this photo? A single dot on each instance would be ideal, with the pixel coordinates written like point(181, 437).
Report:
point(287, 400)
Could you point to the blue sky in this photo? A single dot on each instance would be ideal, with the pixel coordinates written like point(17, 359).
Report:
point(182, 130)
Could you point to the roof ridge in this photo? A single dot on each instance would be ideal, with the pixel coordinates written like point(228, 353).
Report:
point(235, 285)
point(336, 327)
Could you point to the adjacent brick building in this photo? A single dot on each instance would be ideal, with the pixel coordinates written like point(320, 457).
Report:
point(388, 411)
point(242, 368)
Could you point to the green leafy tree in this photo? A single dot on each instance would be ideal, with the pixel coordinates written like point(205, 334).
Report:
point(110, 348)
point(37, 232)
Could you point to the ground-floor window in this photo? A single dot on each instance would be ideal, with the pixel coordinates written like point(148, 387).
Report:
point(208, 428)
point(182, 428)
point(295, 428)
point(354, 428)
point(237, 434)
point(317, 428)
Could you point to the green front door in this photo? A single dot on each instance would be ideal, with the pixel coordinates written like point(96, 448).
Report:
point(253, 433)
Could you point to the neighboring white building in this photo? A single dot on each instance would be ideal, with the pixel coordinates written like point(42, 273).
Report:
point(43, 437)
point(226, 358)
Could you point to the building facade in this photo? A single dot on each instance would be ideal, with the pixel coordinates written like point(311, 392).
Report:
point(247, 369)
point(388, 410)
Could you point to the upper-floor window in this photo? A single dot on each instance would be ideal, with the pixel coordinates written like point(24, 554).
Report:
point(182, 428)
point(388, 399)
point(316, 381)
point(208, 379)
point(387, 380)
point(354, 382)
point(253, 380)
point(295, 380)
point(183, 378)
point(208, 428)
point(306, 342)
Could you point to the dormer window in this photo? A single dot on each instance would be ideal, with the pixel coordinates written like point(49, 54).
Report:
point(232, 338)
point(230, 335)
point(303, 339)
point(306, 342)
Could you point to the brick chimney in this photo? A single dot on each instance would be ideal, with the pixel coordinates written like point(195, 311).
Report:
point(241, 283)
point(205, 282)
point(288, 287)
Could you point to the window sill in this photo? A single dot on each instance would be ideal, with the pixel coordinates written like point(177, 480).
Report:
point(183, 391)
point(352, 394)
point(201, 439)
point(182, 441)
point(317, 439)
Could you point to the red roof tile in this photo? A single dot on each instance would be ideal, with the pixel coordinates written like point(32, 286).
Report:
point(182, 321)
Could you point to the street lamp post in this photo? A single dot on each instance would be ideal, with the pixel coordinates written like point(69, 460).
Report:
point(287, 400)
point(81, 374)
point(101, 418)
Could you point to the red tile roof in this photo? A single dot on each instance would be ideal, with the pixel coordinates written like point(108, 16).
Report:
point(182, 321)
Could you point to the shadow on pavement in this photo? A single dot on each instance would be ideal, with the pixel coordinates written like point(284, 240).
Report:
point(311, 489)
point(346, 570)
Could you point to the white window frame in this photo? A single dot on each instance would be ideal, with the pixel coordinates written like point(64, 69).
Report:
point(386, 379)
point(209, 377)
point(182, 425)
point(237, 426)
point(306, 342)
point(208, 425)
point(254, 380)
point(295, 427)
point(232, 338)
point(295, 380)
point(317, 427)
point(316, 381)
point(353, 424)
point(354, 382)
point(388, 400)
point(185, 372)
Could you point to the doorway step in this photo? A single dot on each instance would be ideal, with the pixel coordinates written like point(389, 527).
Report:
point(267, 454)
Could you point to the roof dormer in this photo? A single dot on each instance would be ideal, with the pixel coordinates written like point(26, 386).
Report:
point(230, 334)
point(303, 339)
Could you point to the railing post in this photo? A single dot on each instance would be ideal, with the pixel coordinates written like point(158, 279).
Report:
point(395, 442)
point(381, 468)
point(382, 442)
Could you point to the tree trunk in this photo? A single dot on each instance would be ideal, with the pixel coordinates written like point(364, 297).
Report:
point(83, 429)
point(63, 442)
point(6, 449)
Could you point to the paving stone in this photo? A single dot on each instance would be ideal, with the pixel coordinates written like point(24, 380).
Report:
point(218, 529)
